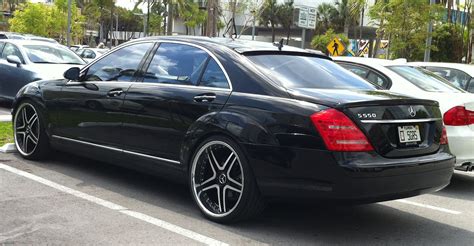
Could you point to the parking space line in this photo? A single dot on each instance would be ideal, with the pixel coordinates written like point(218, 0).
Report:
point(428, 206)
point(110, 205)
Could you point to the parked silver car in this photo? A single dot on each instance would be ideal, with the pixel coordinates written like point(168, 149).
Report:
point(24, 61)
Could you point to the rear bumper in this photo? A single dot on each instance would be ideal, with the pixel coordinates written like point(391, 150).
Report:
point(364, 177)
point(461, 143)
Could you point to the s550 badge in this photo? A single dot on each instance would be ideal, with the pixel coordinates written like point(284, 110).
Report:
point(367, 116)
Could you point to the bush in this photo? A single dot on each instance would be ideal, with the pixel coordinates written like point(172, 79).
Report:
point(320, 42)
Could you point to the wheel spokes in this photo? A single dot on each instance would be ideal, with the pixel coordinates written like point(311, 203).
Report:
point(220, 188)
point(27, 129)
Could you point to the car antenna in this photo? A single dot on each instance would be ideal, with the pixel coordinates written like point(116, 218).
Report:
point(279, 44)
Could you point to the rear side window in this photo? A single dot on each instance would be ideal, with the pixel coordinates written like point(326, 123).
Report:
point(213, 76)
point(297, 71)
point(176, 64)
point(3, 36)
point(455, 76)
point(424, 79)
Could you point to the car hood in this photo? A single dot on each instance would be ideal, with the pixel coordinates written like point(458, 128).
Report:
point(51, 71)
point(340, 98)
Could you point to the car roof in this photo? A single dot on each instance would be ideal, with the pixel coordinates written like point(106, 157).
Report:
point(239, 45)
point(460, 66)
point(22, 42)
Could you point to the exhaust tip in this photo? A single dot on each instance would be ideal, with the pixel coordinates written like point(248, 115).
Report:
point(466, 167)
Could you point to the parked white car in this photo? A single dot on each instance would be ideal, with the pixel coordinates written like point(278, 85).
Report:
point(89, 54)
point(457, 105)
point(461, 75)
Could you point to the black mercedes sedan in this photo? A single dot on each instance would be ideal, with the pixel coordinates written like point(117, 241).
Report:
point(241, 122)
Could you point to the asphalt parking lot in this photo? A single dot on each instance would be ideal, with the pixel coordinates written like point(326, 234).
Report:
point(73, 200)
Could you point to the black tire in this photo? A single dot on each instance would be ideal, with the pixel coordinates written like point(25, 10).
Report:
point(249, 202)
point(41, 148)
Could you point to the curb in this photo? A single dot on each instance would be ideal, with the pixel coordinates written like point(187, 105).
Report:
point(5, 118)
point(8, 148)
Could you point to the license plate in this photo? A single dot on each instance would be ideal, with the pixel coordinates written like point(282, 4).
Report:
point(409, 134)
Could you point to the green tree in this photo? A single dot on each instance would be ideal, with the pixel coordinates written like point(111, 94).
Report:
point(285, 17)
point(326, 15)
point(269, 16)
point(405, 22)
point(447, 43)
point(320, 42)
point(33, 18)
point(192, 16)
point(47, 21)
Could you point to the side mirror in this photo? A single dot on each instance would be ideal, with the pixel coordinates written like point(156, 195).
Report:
point(72, 73)
point(14, 59)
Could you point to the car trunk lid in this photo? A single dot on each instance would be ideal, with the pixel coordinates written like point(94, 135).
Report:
point(396, 126)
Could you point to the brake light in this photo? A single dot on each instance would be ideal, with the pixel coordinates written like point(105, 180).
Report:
point(339, 132)
point(458, 116)
point(444, 137)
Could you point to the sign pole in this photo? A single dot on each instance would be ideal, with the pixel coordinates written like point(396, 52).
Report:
point(303, 37)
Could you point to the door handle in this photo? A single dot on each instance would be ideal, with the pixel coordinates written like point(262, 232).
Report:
point(115, 93)
point(205, 97)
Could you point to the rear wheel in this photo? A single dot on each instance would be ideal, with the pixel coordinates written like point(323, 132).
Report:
point(222, 183)
point(30, 137)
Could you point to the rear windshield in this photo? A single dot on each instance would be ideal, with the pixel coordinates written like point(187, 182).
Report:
point(296, 71)
point(424, 79)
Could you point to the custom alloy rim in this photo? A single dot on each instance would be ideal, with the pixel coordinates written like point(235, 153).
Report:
point(27, 129)
point(217, 178)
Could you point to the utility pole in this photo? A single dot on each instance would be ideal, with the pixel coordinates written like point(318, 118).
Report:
point(428, 39)
point(68, 35)
point(147, 18)
point(211, 18)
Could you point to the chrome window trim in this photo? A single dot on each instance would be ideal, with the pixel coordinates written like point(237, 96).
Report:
point(401, 121)
point(116, 149)
point(210, 54)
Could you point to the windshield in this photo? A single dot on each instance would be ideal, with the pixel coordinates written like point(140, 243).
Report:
point(424, 79)
point(296, 71)
point(50, 54)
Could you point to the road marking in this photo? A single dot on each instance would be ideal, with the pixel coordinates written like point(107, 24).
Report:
point(110, 205)
point(429, 206)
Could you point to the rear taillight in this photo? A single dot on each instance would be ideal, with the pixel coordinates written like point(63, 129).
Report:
point(444, 137)
point(458, 116)
point(339, 132)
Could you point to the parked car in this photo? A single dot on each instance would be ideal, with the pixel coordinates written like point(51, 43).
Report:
point(240, 121)
point(89, 54)
point(460, 75)
point(457, 106)
point(10, 35)
point(24, 61)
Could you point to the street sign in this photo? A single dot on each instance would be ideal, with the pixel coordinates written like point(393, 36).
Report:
point(306, 17)
point(336, 47)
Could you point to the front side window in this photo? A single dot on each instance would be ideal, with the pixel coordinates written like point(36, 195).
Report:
point(300, 71)
point(1, 47)
point(51, 54)
point(11, 50)
point(176, 64)
point(120, 65)
point(424, 79)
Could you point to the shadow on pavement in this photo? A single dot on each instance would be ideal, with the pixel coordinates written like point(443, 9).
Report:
point(461, 186)
point(280, 223)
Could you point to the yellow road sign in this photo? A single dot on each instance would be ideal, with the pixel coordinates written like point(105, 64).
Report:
point(336, 47)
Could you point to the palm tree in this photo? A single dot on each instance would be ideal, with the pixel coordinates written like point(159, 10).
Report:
point(326, 15)
point(285, 17)
point(269, 15)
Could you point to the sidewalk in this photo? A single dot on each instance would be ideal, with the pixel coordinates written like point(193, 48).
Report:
point(5, 114)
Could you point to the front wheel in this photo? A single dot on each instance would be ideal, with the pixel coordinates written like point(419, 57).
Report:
point(30, 137)
point(222, 183)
